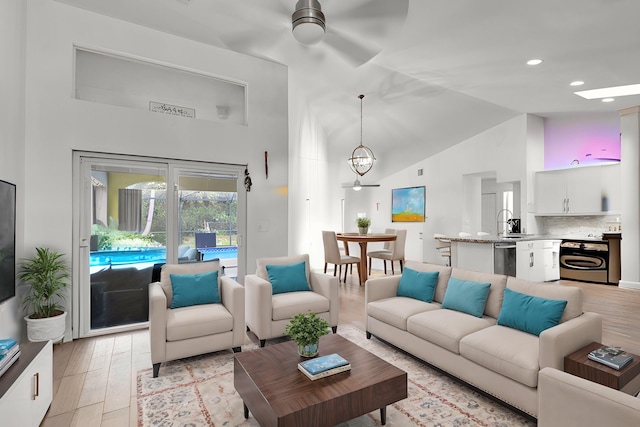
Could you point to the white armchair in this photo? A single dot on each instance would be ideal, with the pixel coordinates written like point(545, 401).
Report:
point(188, 331)
point(267, 315)
point(570, 401)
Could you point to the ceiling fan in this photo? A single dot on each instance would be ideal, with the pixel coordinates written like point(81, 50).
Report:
point(354, 30)
point(357, 185)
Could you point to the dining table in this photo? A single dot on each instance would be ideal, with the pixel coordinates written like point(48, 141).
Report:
point(363, 240)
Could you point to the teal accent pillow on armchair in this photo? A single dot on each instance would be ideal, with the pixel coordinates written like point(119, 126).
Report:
point(288, 278)
point(419, 285)
point(194, 289)
point(466, 296)
point(528, 313)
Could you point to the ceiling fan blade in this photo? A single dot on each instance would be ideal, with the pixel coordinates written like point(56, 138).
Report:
point(354, 51)
point(357, 31)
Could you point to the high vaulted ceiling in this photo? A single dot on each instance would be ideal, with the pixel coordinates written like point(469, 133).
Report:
point(434, 72)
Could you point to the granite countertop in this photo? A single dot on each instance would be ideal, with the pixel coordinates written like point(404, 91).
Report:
point(501, 239)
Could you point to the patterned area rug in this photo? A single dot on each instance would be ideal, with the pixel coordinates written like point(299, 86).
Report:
point(199, 391)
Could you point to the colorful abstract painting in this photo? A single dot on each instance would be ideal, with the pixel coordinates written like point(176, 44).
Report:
point(408, 204)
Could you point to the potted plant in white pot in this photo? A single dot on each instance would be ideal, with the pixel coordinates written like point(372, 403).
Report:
point(363, 224)
point(306, 329)
point(47, 275)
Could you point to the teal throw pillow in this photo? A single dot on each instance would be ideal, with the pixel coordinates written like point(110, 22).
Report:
point(194, 289)
point(466, 296)
point(418, 284)
point(288, 278)
point(528, 313)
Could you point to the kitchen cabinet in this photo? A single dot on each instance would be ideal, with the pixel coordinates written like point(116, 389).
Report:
point(538, 260)
point(578, 191)
point(26, 388)
point(611, 183)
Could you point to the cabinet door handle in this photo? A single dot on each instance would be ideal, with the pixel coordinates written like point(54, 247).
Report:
point(530, 259)
point(37, 385)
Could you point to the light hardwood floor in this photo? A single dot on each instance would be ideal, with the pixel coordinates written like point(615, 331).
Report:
point(95, 378)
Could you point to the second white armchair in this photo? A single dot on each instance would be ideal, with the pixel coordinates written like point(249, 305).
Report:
point(268, 313)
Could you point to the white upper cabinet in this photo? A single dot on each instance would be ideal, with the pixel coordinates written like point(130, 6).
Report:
point(588, 190)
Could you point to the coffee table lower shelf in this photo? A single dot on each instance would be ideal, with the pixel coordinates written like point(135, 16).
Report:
point(277, 394)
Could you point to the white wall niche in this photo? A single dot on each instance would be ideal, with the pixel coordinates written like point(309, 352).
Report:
point(135, 83)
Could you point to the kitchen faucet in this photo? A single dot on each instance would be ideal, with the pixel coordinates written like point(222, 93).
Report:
point(500, 231)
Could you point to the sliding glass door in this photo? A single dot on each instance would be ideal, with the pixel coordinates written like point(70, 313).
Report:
point(137, 214)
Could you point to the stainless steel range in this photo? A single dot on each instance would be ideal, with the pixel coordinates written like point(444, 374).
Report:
point(591, 260)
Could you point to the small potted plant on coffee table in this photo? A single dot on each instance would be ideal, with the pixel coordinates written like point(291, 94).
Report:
point(306, 329)
point(363, 224)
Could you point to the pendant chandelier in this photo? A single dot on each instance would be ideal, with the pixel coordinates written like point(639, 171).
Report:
point(362, 158)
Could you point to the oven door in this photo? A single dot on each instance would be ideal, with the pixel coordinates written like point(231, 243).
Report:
point(584, 265)
point(582, 262)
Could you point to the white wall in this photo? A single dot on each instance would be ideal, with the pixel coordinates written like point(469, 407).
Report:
point(12, 25)
point(57, 124)
point(314, 203)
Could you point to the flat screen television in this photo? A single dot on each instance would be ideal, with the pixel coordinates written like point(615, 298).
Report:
point(7, 240)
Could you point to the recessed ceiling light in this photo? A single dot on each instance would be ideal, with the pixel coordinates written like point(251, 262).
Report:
point(534, 62)
point(608, 100)
point(577, 83)
point(607, 92)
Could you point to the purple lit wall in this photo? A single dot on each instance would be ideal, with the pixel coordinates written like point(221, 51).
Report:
point(588, 138)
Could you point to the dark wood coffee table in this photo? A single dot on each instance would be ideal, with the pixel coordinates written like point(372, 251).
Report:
point(277, 394)
point(580, 365)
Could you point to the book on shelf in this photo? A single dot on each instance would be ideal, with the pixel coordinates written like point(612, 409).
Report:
point(612, 357)
point(324, 366)
point(5, 358)
point(7, 344)
point(10, 361)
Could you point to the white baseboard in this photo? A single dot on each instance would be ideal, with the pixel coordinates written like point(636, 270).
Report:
point(629, 285)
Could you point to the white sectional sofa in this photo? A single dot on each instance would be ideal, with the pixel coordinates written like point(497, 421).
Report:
point(501, 360)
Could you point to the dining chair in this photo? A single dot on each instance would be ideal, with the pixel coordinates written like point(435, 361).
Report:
point(396, 252)
point(333, 256)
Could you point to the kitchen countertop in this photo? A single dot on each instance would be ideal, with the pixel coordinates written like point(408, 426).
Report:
point(500, 239)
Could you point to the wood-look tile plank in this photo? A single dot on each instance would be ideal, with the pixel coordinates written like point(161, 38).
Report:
point(118, 383)
point(122, 343)
point(102, 352)
point(62, 420)
point(133, 411)
point(68, 395)
point(88, 416)
point(95, 387)
point(61, 354)
point(139, 362)
point(119, 418)
point(80, 357)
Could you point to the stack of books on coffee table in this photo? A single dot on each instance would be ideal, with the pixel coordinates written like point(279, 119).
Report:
point(324, 366)
point(9, 353)
point(613, 357)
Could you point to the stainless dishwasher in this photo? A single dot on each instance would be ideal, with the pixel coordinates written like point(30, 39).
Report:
point(504, 258)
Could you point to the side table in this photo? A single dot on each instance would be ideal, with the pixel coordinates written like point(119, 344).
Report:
point(626, 379)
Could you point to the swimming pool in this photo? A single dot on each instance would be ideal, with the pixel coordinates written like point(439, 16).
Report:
point(153, 255)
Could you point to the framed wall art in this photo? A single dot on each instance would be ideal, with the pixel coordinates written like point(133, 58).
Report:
point(408, 204)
